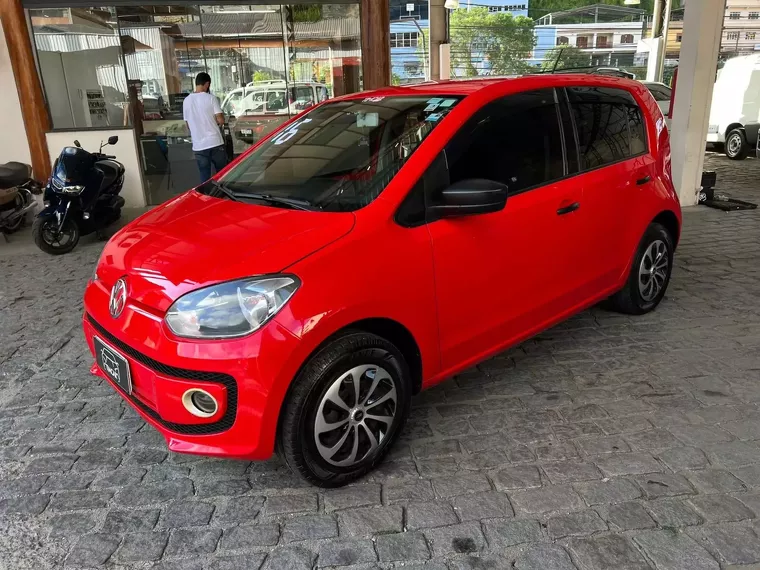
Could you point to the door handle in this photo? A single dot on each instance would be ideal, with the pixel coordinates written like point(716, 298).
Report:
point(568, 209)
point(642, 181)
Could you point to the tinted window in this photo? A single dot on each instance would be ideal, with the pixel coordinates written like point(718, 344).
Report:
point(602, 119)
point(515, 140)
point(638, 131)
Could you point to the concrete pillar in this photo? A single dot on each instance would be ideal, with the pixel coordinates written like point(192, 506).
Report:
point(437, 34)
point(702, 28)
point(376, 46)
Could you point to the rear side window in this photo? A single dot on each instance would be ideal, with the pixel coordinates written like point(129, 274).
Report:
point(609, 124)
point(514, 140)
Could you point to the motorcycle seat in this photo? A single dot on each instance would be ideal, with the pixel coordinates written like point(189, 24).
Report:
point(12, 174)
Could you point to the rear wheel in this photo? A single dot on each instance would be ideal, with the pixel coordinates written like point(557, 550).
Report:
point(736, 147)
point(650, 273)
point(50, 240)
point(345, 410)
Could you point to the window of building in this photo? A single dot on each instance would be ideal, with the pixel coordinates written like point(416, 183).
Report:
point(732, 35)
point(581, 42)
point(679, 38)
point(487, 148)
point(404, 39)
point(400, 11)
point(626, 39)
point(609, 124)
point(734, 15)
point(563, 41)
point(602, 41)
point(80, 58)
point(749, 36)
point(754, 15)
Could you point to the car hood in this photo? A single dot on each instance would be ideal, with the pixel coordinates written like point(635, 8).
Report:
point(197, 240)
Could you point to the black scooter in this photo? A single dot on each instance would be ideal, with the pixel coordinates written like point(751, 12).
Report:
point(81, 197)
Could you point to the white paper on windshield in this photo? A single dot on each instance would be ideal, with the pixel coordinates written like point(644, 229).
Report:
point(367, 119)
point(447, 102)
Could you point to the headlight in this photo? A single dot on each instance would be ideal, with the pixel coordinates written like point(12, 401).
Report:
point(231, 309)
point(72, 189)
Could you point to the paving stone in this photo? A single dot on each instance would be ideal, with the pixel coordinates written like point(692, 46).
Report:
point(517, 477)
point(743, 429)
point(700, 436)
point(72, 525)
point(715, 481)
point(673, 513)
point(460, 484)
point(187, 513)
point(476, 506)
point(683, 458)
point(671, 550)
point(750, 476)
point(569, 471)
point(98, 460)
point(239, 509)
point(544, 557)
point(623, 425)
point(465, 538)
point(720, 508)
point(370, 520)
point(310, 527)
point(287, 504)
point(244, 537)
point(606, 552)
point(289, 558)
point(72, 500)
point(142, 547)
point(437, 448)
point(734, 454)
point(248, 561)
point(123, 522)
point(545, 499)
point(353, 496)
point(70, 481)
point(193, 541)
point(51, 463)
point(607, 491)
point(222, 488)
point(626, 516)
point(429, 514)
point(402, 547)
point(345, 552)
point(656, 485)
point(556, 451)
point(154, 493)
point(505, 533)
point(27, 505)
point(597, 445)
point(403, 491)
point(732, 544)
point(575, 524)
point(93, 550)
point(652, 439)
point(615, 464)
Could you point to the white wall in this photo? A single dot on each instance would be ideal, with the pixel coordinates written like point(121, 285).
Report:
point(13, 144)
point(125, 151)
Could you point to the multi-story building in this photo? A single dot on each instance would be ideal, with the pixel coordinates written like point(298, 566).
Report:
point(741, 28)
point(409, 33)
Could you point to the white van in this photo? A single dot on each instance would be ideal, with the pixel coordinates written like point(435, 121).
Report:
point(252, 97)
point(735, 111)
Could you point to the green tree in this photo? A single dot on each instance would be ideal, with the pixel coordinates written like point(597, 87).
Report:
point(261, 76)
point(564, 57)
point(503, 40)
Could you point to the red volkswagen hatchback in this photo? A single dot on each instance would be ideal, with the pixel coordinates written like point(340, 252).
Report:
point(374, 246)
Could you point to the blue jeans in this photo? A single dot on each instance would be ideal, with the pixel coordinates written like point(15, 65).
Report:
point(204, 158)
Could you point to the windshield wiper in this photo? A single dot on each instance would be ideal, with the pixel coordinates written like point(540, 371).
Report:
point(219, 188)
point(277, 200)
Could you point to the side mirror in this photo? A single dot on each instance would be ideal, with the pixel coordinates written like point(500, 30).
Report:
point(113, 140)
point(76, 144)
point(472, 196)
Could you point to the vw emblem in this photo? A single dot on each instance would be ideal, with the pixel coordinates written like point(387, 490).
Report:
point(118, 298)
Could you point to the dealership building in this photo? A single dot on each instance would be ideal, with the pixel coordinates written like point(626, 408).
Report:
point(86, 73)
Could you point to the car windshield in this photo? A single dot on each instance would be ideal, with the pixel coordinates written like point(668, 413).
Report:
point(337, 157)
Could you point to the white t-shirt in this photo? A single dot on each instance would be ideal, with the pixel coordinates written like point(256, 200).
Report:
point(199, 110)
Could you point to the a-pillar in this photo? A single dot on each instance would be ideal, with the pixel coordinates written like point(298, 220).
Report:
point(437, 32)
point(702, 29)
point(376, 43)
point(33, 109)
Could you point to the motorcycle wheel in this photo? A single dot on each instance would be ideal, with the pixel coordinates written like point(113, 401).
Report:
point(52, 242)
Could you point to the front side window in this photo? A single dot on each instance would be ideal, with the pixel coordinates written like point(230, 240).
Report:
point(337, 157)
point(602, 118)
point(514, 140)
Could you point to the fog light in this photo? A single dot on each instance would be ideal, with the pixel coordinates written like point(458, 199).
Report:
point(199, 403)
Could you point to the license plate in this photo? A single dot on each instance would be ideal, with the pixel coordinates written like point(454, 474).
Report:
point(246, 131)
point(113, 364)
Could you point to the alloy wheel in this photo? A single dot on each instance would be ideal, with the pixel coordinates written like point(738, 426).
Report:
point(653, 270)
point(57, 239)
point(355, 415)
point(734, 144)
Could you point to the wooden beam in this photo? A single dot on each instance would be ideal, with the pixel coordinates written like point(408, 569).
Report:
point(33, 108)
point(376, 43)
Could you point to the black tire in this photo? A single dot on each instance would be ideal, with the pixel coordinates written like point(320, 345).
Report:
point(736, 147)
point(297, 442)
point(630, 300)
point(44, 237)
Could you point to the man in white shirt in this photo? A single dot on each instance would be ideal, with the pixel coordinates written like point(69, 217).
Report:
point(204, 118)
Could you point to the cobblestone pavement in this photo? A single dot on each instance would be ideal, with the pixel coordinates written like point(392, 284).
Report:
point(607, 442)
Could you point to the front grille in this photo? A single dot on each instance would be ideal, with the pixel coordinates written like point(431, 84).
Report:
point(197, 375)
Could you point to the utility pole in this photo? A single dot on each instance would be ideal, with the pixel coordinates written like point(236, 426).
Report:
point(659, 40)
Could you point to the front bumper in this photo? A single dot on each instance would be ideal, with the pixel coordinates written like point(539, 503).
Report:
point(249, 376)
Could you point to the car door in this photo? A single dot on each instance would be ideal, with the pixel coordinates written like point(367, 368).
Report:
point(502, 276)
point(614, 163)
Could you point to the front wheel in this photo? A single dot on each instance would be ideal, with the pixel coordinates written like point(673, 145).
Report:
point(345, 409)
point(50, 240)
point(736, 147)
point(650, 273)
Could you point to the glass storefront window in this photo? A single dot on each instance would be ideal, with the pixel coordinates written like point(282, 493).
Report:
point(80, 60)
